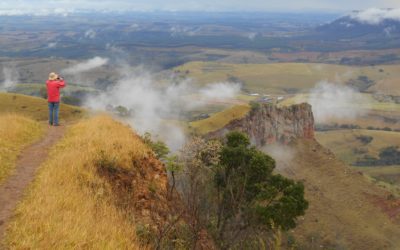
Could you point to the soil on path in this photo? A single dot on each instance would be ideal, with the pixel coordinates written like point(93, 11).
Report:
point(12, 189)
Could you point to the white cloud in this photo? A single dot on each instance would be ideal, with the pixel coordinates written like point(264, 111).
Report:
point(329, 100)
point(36, 12)
point(52, 45)
point(88, 65)
point(223, 90)
point(154, 105)
point(91, 34)
point(251, 36)
point(376, 16)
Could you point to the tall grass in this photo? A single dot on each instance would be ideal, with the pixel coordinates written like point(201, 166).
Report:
point(16, 132)
point(70, 206)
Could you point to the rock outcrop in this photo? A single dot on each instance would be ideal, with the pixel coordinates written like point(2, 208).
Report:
point(267, 123)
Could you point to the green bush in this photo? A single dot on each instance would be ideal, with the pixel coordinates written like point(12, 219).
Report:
point(250, 194)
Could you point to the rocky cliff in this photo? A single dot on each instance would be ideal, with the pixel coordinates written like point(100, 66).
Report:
point(267, 123)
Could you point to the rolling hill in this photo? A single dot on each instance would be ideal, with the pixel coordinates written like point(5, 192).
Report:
point(346, 210)
point(36, 108)
point(285, 78)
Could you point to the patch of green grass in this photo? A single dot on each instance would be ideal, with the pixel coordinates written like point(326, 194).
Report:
point(36, 89)
point(36, 108)
point(220, 119)
point(387, 177)
point(284, 78)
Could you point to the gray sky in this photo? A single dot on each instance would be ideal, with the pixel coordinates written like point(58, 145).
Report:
point(203, 5)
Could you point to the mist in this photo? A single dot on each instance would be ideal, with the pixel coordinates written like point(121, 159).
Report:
point(10, 76)
point(282, 154)
point(224, 90)
point(330, 100)
point(155, 106)
point(85, 66)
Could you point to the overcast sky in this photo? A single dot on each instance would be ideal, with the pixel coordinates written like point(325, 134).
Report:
point(204, 5)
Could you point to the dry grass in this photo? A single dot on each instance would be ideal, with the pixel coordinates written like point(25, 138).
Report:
point(219, 119)
point(70, 206)
point(15, 133)
point(36, 108)
point(344, 212)
point(387, 177)
point(389, 86)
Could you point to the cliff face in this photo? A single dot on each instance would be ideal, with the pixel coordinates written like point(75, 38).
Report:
point(268, 124)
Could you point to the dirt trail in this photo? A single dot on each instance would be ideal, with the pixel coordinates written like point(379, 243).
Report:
point(12, 190)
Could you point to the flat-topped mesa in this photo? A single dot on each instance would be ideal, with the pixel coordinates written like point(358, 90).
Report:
point(267, 123)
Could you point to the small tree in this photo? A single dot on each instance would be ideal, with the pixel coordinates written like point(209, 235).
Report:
point(173, 166)
point(199, 158)
point(159, 148)
point(122, 111)
point(250, 195)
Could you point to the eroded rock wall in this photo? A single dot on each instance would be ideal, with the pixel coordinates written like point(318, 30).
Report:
point(268, 123)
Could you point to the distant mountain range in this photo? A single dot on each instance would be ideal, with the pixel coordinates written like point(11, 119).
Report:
point(164, 38)
point(363, 25)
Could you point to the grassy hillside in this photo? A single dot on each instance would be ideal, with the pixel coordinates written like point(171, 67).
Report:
point(16, 132)
point(346, 210)
point(286, 78)
point(219, 119)
point(33, 89)
point(36, 108)
point(98, 186)
point(348, 146)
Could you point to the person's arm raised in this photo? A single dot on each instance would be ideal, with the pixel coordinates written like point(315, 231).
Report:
point(61, 83)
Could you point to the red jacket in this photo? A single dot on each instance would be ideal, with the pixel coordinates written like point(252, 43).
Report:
point(53, 89)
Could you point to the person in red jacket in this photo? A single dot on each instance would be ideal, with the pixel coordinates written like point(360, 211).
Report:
point(54, 84)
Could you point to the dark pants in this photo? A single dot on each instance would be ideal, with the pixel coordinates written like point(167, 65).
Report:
point(53, 111)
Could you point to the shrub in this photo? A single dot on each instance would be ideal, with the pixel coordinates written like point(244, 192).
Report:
point(159, 148)
point(254, 106)
point(71, 100)
point(365, 139)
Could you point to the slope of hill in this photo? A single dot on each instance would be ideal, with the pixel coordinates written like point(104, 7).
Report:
point(356, 145)
point(100, 185)
point(16, 132)
point(36, 108)
point(346, 211)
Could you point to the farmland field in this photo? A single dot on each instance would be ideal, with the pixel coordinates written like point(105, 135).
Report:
point(285, 78)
